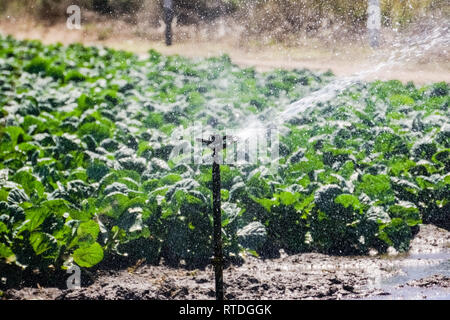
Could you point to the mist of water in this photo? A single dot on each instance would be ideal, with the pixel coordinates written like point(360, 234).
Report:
point(405, 50)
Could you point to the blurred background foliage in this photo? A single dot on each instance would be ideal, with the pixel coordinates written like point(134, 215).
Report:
point(291, 15)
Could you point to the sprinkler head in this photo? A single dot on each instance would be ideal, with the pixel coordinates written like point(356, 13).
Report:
point(217, 142)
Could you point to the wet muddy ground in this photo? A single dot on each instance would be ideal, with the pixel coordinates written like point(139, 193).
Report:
point(303, 276)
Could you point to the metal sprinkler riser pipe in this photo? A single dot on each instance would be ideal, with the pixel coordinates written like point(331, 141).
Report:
point(217, 143)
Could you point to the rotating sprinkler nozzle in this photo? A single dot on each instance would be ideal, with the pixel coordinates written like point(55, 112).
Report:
point(217, 143)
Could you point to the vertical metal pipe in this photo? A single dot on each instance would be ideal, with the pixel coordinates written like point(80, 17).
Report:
point(168, 17)
point(217, 217)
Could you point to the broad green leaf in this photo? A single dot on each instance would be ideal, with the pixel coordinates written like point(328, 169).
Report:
point(88, 231)
point(29, 182)
point(377, 187)
point(348, 200)
point(266, 203)
point(131, 220)
point(42, 242)
point(36, 216)
point(6, 253)
point(88, 256)
point(406, 211)
point(57, 206)
point(288, 198)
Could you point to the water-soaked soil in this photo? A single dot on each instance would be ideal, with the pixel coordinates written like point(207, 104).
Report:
point(435, 287)
point(429, 282)
point(421, 276)
point(303, 276)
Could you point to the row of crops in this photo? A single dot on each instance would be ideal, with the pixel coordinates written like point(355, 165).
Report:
point(86, 174)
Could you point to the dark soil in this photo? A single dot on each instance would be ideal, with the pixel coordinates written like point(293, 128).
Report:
point(302, 276)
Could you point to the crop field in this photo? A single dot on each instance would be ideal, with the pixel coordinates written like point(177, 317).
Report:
point(87, 175)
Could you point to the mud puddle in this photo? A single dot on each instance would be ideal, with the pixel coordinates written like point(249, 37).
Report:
point(422, 276)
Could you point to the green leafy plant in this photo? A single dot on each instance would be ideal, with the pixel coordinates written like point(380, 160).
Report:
point(87, 173)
